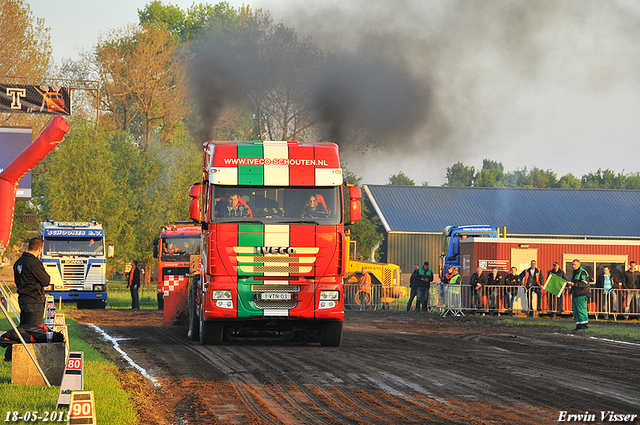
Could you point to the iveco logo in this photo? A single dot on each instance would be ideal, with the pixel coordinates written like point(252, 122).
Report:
point(274, 250)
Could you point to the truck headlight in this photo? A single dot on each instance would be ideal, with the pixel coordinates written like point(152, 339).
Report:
point(329, 295)
point(224, 303)
point(328, 299)
point(99, 287)
point(221, 295)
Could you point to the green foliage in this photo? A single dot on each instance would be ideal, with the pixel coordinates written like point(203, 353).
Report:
point(365, 231)
point(191, 23)
point(569, 181)
point(401, 179)
point(460, 175)
point(491, 175)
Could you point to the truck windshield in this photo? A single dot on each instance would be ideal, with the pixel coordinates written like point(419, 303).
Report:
point(273, 205)
point(73, 246)
point(177, 248)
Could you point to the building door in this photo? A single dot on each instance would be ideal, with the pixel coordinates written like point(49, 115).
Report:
point(521, 258)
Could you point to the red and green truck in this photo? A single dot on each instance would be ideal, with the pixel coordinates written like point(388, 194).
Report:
point(273, 252)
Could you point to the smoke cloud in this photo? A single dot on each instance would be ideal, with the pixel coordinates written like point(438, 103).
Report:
point(528, 83)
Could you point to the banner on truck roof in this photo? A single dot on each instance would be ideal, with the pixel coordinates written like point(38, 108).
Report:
point(79, 233)
point(32, 99)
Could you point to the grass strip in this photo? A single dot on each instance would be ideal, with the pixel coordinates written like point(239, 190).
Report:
point(113, 404)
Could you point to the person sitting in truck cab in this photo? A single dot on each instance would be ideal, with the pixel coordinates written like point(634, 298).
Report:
point(235, 207)
point(170, 249)
point(315, 208)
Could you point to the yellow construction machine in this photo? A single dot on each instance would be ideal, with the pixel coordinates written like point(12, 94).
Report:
point(385, 284)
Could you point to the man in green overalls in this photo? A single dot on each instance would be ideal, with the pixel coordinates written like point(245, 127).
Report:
point(580, 291)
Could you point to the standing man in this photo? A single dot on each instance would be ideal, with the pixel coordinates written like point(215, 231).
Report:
point(424, 278)
point(477, 281)
point(134, 284)
point(555, 303)
point(31, 278)
point(580, 291)
point(606, 281)
point(494, 293)
point(631, 284)
point(413, 285)
point(532, 278)
point(364, 289)
point(513, 283)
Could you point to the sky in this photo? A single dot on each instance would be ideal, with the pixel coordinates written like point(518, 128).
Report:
point(547, 84)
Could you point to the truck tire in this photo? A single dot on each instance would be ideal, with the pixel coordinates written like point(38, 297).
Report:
point(330, 334)
point(211, 333)
point(194, 325)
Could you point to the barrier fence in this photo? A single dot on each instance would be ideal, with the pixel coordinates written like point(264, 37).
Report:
point(510, 300)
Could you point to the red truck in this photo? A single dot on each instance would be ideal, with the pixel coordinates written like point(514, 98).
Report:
point(176, 246)
point(273, 241)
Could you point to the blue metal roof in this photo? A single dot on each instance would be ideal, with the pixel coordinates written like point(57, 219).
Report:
point(561, 212)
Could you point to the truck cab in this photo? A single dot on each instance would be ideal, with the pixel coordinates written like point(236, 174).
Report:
point(452, 235)
point(273, 240)
point(74, 255)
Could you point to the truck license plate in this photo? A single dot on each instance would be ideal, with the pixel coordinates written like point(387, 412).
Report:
point(275, 296)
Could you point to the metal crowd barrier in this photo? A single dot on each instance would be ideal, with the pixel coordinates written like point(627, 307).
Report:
point(499, 299)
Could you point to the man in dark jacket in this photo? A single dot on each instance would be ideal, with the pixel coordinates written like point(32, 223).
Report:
point(31, 278)
point(513, 282)
point(413, 285)
point(477, 281)
point(555, 303)
point(134, 284)
point(533, 280)
point(631, 283)
point(494, 279)
point(580, 291)
point(424, 279)
point(605, 283)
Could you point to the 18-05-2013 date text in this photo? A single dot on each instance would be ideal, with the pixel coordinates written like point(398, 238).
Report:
point(36, 416)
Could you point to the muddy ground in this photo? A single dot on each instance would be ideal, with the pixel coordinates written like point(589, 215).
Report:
point(392, 367)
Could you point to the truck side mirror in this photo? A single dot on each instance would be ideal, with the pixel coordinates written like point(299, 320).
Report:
point(110, 251)
point(194, 203)
point(155, 251)
point(355, 212)
point(355, 192)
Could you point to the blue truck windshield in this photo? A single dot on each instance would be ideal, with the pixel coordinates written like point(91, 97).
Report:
point(73, 246)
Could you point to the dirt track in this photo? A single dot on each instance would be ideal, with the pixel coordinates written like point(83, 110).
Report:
point(392, 367)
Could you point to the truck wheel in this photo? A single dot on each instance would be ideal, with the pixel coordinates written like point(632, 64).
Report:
point(330, 334)
point(211, 333)
point(194, 325)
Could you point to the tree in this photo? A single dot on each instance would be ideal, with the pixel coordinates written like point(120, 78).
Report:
point(569, 181)
point(95, 174)
point(460, 175)
point(192, 23)
point(491, 174)
point(25, 51)
point(606, 179)
point(140, 69)
point(365, 231)
point(401, 179)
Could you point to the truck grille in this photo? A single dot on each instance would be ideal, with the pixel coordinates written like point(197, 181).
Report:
point(265, 304)
point(73, 272)
point(275, 288)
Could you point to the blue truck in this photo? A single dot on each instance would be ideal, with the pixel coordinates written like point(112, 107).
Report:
point(451, 250)
point(74, 256)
